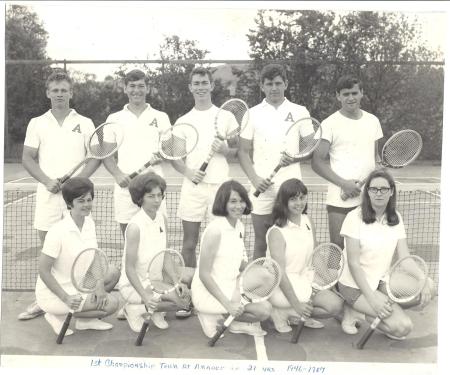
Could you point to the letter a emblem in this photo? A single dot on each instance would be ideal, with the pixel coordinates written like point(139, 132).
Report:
point(77, 129)
point(154, 123)
point(289, 117)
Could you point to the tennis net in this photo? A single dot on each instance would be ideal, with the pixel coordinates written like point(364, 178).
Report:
point(418, 204)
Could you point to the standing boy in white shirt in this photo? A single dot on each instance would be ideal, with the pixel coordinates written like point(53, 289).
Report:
point(199, 188)
point(264, 136)
point(142, 126)
point(55, 142)
point(349, 139)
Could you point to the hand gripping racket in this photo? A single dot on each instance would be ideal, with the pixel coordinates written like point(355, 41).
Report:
point(164, 274)
point(174, 144)
point(103, 142)
point(88, 270)
point(300, 140)
point(327, 263)
point(231, 118)
point(399, 150)
point(406, 280)
point(256, 284)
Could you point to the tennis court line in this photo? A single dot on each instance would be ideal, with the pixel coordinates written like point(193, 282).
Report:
point(19, 200)
point(18, 179)
point(260, 346)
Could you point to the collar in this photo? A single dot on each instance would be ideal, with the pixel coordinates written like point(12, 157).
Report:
point(49, 113)
point(70, 225)
point(265, 103)
point(147, 107)
point(147, 217)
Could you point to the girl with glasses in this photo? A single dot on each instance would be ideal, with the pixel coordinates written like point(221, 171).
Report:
point(374, 236)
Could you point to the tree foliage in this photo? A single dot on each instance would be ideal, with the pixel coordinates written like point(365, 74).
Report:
point(322, 46)
point(25, 38)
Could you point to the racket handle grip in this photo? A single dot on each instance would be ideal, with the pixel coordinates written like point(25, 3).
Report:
point(297, 331)
point(275, 171)
point(140, 338)
point(204, 166)
point(142, 169)
point(64, 327)
point(216, 337)
point(344, 196)
point(362, 341)
point(63, 179)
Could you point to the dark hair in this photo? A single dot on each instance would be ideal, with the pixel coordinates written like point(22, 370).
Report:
point(271, 71)
point(58, 76)
point(288, 189)
point(368, 213)
point(76, 187)
point(200, 70)
point(223, 195)
point(145, 183)
point(135, 75)
point(347, 82)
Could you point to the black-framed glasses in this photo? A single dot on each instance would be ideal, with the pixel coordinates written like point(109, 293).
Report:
point(383, 190)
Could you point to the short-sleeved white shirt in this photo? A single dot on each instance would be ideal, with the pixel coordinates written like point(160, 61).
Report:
point(64, 241)
point(140, 137)
point(60, 147)
point(352, 150)
point(152, 240)
point(267, 128)
point(377, 242)
point(203, 121)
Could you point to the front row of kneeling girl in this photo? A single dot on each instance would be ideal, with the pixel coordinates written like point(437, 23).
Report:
point(374, 235)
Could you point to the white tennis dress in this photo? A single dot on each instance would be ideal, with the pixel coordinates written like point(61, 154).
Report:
point(152, 240)
point(299, 247)
point(225, 269)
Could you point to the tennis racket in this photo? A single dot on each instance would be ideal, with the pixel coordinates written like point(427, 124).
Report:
point(406, 280)
point(103, 142)
point(231, 118)
point(300, 140)
point(88, 270)
point(256, 284)
point(174, 144)
point(327, 262)
point(399, 150)
point(164, 274)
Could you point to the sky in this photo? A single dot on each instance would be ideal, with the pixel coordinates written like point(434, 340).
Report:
point(134, 30)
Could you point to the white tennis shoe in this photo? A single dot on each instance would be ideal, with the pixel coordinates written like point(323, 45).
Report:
point(96, 324)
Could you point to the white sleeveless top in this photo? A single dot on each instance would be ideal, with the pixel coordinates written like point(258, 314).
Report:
point(152, 240)
point(299, 244)
point(229, 256)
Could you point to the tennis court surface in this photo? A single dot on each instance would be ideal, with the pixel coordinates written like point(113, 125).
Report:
point(419, 203)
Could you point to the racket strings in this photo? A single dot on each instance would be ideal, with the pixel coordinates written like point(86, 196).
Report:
point(88, 269)
point(236, 109)
point(178, 141)
point(407, 279)
point(302, 137)
point(327, 263)
point(261, 279)
point(402, 149)
point(165, 270)
point(103, 142)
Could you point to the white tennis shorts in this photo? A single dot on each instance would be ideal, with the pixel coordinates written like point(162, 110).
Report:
point(50, 208)
point(196, 201)
point(125, 209)
point(263, 204)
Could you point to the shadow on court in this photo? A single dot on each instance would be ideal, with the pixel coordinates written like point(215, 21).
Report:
point(184, 339)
